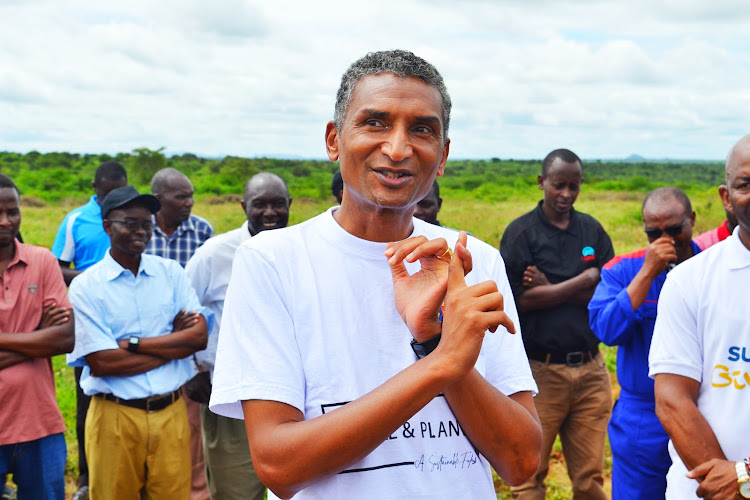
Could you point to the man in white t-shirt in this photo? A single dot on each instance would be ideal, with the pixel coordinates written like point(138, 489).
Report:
point(700, 356)
point(315, 351)
point(229, 467)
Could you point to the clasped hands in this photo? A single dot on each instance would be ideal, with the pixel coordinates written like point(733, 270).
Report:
point(469, 310)
point(717, 480)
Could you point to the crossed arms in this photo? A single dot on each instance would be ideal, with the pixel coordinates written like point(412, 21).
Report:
point(189, 334)
point(54, 335)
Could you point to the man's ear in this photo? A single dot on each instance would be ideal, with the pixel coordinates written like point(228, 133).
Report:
point(332, 141)
point(107, 227)
point(444, 158)
point(540, 181)
point(724, 193)
point(290, 203)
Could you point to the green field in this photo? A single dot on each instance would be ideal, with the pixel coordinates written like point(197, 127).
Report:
point(481, 197)
point(619, 213)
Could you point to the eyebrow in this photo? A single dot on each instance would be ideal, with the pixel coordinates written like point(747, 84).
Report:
point(429, 120)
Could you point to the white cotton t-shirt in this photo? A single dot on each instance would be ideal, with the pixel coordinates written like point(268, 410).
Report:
point(703, 332)
point(310, 321)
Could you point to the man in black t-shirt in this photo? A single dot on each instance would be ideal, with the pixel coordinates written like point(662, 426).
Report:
point(553, 256)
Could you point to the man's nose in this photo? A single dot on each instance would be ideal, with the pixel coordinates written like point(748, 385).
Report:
point(397, 145)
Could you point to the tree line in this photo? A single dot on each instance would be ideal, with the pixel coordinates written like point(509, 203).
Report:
point(57, 175)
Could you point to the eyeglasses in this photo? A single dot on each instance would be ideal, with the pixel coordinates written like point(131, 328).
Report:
point(134, 225)
point(672, 231)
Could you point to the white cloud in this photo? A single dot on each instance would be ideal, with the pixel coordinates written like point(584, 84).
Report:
point(251, 78)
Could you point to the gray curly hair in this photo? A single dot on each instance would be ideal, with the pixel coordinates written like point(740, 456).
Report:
point(401, 63)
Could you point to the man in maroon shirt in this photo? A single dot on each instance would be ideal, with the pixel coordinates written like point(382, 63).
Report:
point(35, 323)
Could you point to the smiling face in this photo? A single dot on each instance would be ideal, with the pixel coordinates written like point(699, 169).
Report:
point(10, 216)
point(266, 205)
point(736, 196)
point(561, 186)
point(126, 243)
point(391, 143)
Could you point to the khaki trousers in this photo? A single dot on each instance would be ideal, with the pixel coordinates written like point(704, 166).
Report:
point(135, 454)
point(230, 469)
point(575, 402)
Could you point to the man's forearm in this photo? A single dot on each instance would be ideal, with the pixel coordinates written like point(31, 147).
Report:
point(179, 344)
point(10, 358)
point(686, 426)
point(546, 296)
point(582, 297)
point(288, 453)
point(638, 288)
point(42, 343)
point(121, 362)
point(504, 429)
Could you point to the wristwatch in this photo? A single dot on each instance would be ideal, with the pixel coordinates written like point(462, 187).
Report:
point(743, 479)
point(422, 349)
point(133, 343)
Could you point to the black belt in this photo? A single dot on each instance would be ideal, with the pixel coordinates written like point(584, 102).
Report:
point(576, 358)
point(154, 403)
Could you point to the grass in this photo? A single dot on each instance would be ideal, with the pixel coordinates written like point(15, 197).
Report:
point(618, 212)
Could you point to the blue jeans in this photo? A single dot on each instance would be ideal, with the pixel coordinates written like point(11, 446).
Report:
point(38, 467)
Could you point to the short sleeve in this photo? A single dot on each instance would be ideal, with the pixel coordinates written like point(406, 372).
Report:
point(64, 247)
point(54, 287)
point(92, 334)
point(185, 296)
point(199, 272)
point(606, 251)
point(676, 346)
point(257, 355)
point(515, 252)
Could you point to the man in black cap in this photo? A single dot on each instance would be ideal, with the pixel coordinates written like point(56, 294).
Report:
point(135, 341)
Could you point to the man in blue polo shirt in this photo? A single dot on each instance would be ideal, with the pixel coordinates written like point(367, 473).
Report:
point(623, 312)
point(81, 241)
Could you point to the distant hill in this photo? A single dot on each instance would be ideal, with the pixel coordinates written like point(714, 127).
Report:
point(634, 158)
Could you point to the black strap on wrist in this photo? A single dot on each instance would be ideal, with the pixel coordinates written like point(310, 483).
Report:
point(422, 349)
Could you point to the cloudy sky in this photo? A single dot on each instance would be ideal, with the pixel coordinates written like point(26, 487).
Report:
point(607, 79)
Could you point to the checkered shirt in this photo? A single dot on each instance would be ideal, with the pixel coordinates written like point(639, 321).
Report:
point(184, 241)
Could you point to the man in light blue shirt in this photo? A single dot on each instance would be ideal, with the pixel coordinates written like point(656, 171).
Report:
point(135, 342)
